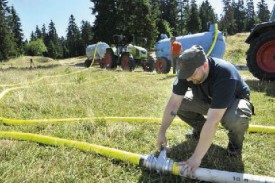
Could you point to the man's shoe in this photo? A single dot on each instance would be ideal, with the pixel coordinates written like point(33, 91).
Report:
point(233, 150)
point(194, 135)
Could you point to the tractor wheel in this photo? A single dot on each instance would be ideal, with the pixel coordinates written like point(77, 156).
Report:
point(109, 59)
point(127, 62)
point(163, 65)
point(87, 63)
point(261, 56)
point(149, 64)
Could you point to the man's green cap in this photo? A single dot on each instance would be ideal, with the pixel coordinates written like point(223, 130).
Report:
point(190, 60)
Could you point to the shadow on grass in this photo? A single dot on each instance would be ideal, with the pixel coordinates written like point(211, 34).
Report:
point(82, 64)
point(31, 68)
point(79, 65)
point(216, 158)
point(167, 77)
point(267, 87)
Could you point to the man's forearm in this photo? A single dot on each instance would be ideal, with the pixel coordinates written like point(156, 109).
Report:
point(170, 113)
point(206, 137)
point(208, 132)
point(168, 116)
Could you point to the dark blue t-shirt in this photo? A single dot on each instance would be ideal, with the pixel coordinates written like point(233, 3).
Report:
point(222, 86)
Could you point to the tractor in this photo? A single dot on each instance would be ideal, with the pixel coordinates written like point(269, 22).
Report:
point(126, 55)
point(260, 56)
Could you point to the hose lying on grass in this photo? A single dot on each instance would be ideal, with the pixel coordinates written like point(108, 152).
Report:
point(160, 164)
point(252, 128)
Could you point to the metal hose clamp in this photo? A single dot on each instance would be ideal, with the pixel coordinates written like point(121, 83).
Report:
point(161, 164)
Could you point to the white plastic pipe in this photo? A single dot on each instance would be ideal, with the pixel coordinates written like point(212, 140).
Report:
point(162, 164)
point(209, 175)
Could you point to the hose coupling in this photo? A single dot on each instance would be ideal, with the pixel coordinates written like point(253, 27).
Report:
point(161, 164)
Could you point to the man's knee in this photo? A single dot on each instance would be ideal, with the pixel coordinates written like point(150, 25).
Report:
point(192, 104)
point(237, 117)
point(190, 116)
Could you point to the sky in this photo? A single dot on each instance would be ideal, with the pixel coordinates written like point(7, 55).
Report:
point(39, 12)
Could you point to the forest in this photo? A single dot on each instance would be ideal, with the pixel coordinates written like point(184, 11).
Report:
point(140, 21)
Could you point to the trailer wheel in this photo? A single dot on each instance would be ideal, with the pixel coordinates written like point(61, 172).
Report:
point(261, 56)
point(102, 63)
point(87, 63)
point(169, 65)
point(163, 65)
point(149, 64)
point(127, 62)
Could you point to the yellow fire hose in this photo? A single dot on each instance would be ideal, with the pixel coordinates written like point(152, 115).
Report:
point(252, 128)
point(84, 146)
point(160, 164)
point(94, 53)
point(214, 40)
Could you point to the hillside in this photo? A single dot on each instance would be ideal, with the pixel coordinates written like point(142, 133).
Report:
point(235, 53)
point(236, 49)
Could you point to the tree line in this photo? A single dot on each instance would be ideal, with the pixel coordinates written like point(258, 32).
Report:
point(140, 21)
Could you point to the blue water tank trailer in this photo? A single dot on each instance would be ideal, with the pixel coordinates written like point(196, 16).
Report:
point(213, 43)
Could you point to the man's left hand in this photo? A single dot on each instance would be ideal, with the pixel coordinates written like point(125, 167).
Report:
point(189, 167)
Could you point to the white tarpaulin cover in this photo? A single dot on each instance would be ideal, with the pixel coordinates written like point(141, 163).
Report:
point(100, 48)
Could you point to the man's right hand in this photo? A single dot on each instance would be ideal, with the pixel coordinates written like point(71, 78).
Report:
point(161, 141)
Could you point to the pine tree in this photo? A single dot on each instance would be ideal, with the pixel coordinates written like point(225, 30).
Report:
point(7, 43)
point(240, 15)
point(32, 36)
point(134, 19)
point(170, 12)
point(186, 14)
point(207, 15)
point(162, 26)
point(227, 22)
point(193, 23)
point(263, 12)
point(65, 51)
point(38, 33)
point(44, 32)
point(184, 11)
point(105, 24)
point(250, 16)
point(136, 22)
point(86, 36)
point(53, 49)
point(52, 42)
point(15, 27)
point(148, 30)
point(73, 38)
point(180, 16)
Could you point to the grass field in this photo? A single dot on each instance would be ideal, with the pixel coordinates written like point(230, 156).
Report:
point(64, 89)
